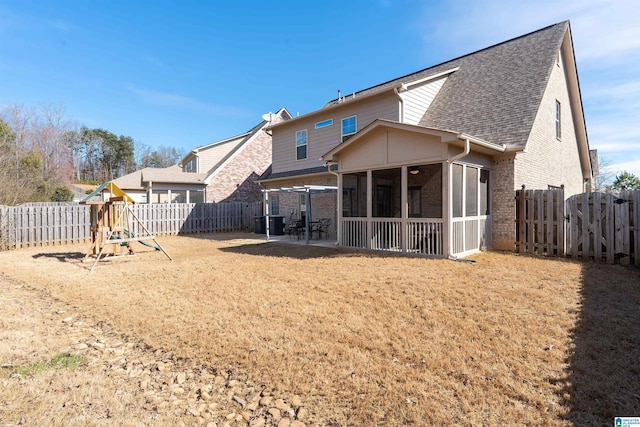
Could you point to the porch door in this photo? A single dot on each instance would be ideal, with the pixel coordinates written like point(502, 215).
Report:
point(384, 201)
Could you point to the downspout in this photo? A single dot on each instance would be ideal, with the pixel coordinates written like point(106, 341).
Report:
point(338, 207)
point(397, 93)
point(465, 152)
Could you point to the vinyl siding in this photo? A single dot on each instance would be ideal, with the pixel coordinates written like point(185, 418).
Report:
point(211, 156)
point(418, 99)
point(324, 139)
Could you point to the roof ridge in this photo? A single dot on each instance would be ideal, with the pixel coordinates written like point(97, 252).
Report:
point(565, 22)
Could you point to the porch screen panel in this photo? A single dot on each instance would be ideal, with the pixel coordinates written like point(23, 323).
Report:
point(196, 196)
point(386, 193)
point(456, 189)
point(425, 182)
point(484, 192)
point(471, 203)
point(354, 195)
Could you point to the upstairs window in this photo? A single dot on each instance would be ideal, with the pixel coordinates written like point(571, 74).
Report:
point(349, 126)
point(301, 144)
point(558, 117)
point(324, 124)
point(191, 165)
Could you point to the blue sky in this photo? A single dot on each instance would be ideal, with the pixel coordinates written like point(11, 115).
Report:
point(188, 73)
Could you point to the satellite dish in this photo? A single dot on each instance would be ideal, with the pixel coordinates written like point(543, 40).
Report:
point(267, 116)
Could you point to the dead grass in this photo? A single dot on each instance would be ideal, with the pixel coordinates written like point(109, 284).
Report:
point(375, 340)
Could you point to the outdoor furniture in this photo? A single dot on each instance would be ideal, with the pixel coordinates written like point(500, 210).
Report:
point(321, 227)
point(293, 227)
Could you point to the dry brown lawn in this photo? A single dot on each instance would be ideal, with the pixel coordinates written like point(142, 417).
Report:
point(367, 339)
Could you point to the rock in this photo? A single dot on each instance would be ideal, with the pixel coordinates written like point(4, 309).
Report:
point(282, 405)
point(233, 383)
point(252, 406)
point(231, 416)
point(257, 422)
point(67, 319)
point(181, 378)
point(240, 401)
point(253, 397)
point(81, 346)
point(176, 390)
point(275, 413)
point(194, 412)
point(246, 415)
point(285, 422)
point(266, 401)
point(218, 380)
point(296, 401)
point(212, 424)
point(297, 423)
point(302, 414)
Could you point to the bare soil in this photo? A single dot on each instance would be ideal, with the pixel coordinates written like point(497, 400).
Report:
point(234, 325)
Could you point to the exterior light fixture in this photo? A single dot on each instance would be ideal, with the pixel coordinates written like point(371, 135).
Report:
point(414, 170)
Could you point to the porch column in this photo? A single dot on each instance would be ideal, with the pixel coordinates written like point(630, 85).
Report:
point(307, 217)
point(404, 183)
point(266, 211)
point(369, 207)
point(446, 207)
point(150, 193)
point(339, 211)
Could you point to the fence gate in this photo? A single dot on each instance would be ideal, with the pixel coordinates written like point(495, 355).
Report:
point(605, 227)
point(540, 222)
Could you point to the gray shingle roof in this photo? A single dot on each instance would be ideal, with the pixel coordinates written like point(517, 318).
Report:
point(497, 91)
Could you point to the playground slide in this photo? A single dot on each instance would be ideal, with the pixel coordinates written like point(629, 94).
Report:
point(132, 234)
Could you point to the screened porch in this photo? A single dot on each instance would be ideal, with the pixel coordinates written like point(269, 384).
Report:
point(402, 209)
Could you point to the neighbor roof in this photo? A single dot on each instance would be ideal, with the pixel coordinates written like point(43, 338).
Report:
point(172, 174)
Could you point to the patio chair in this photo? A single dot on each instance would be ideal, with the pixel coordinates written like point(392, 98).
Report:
point(321, 227)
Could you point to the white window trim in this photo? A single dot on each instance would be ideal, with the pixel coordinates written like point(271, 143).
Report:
point(324, 124)
point(558, 120)
point(342, 135)
point(306, 144)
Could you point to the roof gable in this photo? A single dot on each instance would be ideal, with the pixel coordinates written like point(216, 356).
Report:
point(496, 93)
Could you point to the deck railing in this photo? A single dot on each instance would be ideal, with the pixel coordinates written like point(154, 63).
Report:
point(423, 236)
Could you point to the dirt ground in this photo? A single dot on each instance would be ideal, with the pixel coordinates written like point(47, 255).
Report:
point(235, 331)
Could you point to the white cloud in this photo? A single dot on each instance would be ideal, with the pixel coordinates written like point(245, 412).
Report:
point(601, 29)
point(631, 166)
point(183, 102)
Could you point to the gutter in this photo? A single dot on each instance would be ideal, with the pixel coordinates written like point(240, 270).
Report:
point(397, 93)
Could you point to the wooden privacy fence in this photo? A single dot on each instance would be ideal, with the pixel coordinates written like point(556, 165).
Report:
point(604, 227)
point(588, 226)
point(52, 223)
point(540, 222)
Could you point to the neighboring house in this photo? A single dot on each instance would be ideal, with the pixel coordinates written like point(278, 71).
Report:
point(428, 163)
point(223, 171)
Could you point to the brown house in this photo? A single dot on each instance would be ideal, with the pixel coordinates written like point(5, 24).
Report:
point(428, 163)
point(223, 171)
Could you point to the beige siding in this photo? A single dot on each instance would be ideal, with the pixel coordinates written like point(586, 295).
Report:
point(209, 157)
point(418, 98)
point(547, 160)
point(385, 147)
point(324, 139)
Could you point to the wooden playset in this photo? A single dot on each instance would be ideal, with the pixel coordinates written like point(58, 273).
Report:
point(112, 223)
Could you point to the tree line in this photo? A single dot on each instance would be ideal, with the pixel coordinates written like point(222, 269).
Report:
point(42, 152)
